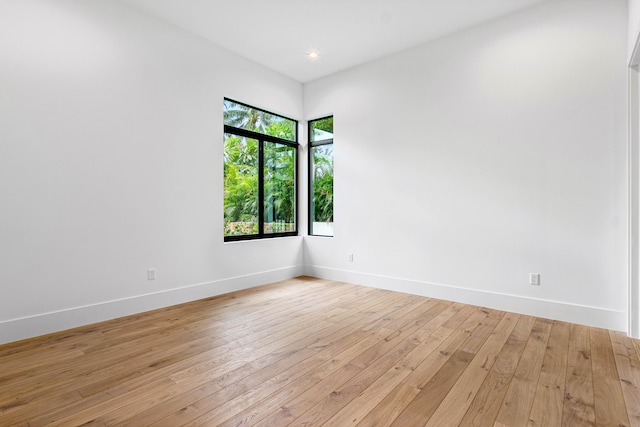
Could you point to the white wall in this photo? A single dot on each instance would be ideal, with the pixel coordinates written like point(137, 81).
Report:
point(465, 164)
point(111, 163)
point(634, 26)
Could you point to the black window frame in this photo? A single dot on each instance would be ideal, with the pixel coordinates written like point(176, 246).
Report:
point(262, 138)
point(311, 171)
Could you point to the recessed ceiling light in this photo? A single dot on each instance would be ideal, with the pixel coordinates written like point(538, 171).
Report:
point(312, 54)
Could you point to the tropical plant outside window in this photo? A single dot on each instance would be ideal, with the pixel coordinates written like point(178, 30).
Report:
point(260, 169)
point(321, 177)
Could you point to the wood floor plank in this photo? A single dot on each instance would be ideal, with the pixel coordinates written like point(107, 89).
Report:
point(325, 377)
point(454, 407)
point(369, 366)
point(628, 364)
point(548, 403)
point(516, 406)
point(433, 392)
point(341, 396)
point(460, 328)
point(579, 406)
point(488, 400)
point(133, 372)
point(421, 408)
point(253, 375)
point(609, 401)
point(296, 363)
point(213, 406)
point(356, 410)
point(308, 351)
point(114, 355)
point(230, 400)
point(225, 361)
point(390, 407)
point(302, 403)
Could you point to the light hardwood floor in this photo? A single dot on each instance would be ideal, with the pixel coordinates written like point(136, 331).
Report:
point(309, 352)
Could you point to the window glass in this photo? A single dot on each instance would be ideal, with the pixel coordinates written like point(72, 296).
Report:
point(240, 185)
point(321, 177)
point(243, 116)
point(321, 129)
point(279, 188)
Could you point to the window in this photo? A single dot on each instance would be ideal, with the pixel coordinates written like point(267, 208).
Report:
point(260, 171)
point(321, 177)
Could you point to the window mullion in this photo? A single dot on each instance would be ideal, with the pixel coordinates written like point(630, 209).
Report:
point(320, 143)
point(261, 187)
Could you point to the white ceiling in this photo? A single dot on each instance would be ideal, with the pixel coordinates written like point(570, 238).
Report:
point(279, 33)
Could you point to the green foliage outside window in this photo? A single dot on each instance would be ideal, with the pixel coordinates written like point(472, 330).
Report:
point(279, 188)
point(321, 176)
point(248, 118)
point(323, 183)
point(322, 129)
point(240, 185)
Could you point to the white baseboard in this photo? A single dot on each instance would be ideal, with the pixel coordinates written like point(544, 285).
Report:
point(45, 323)
point(584, 315)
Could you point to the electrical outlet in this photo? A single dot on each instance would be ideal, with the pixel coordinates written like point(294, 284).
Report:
point(151, 274)
point(534, 279)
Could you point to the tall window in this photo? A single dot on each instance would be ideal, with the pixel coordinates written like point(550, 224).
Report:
point(260, 170)
point(321, 177)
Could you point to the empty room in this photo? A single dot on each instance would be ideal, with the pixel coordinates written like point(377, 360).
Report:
point(307, 213)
